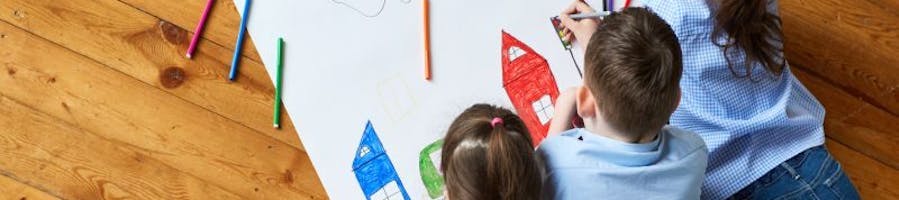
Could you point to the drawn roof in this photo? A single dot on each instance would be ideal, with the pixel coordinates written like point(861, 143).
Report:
point(518, 59)
point(370, 147)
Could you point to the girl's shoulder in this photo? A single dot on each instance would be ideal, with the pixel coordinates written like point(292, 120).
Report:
point(685, 17)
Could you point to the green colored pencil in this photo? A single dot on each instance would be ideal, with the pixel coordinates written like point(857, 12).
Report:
point(278, 83)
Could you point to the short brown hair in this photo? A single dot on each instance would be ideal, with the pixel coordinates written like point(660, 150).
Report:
point(633, 67)
point(480, 161)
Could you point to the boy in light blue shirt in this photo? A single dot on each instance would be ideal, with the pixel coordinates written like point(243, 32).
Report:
point(631, 87)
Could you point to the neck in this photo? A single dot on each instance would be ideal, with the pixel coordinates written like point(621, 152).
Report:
point(600, 127)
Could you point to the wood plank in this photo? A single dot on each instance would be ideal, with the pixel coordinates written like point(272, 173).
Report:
point(140, 45)
point(150, 121)
point(221, 28)
point(12, 189)
point(75, 164)
point(853, 44)
point(854, 122)
point(872, 179)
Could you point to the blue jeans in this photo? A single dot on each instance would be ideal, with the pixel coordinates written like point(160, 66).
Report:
point(813, 174)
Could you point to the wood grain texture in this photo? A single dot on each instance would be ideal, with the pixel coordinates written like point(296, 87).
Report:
point(75, 164)
point(854, 122)
point(145, 119)
point(845, 53)
point(14, 190)
point(221, 27)
point(852, 44)
point(142, 46)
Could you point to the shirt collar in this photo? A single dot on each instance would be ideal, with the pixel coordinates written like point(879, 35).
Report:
point(619, 152)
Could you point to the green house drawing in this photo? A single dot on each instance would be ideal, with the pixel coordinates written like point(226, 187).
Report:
point(429, 167)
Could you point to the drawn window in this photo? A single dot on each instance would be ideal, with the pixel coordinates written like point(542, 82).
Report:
point(544, 109)
point(515, 52)
point(364, 151)
point(389, 191)
point(435, 159)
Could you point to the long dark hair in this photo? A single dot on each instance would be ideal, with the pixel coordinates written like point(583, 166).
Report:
point(747, 25)
point(480, 161)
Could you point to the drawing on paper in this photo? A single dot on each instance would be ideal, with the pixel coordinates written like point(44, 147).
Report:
point(530, 84)
point(429, 168)
point(373, 169)
point(396, 98)
point(366, 8)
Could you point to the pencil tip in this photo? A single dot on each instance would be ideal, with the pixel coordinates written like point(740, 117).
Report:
point(189, 56)
point(277, 126)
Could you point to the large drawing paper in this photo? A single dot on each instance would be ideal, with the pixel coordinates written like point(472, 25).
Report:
point(354, 83)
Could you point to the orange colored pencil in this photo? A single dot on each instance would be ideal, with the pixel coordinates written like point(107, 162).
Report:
point(427, 40)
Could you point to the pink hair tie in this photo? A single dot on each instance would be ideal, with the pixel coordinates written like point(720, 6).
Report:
point(496, 120)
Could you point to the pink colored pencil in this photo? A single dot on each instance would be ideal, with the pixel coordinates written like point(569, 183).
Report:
point(197, 33)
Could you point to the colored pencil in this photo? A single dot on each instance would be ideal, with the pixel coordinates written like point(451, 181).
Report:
point(199, 30)
point(580, 16)
point(239, 45)
point(427, 38)
point(278, 84)
point(611, 5)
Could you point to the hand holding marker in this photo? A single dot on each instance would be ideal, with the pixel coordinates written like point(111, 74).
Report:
point(570, 19)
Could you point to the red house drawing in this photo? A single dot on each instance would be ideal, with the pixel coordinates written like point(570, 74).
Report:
point(530, 85)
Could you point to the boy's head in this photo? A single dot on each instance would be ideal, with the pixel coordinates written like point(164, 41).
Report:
point(632, 73)
point(487, 154)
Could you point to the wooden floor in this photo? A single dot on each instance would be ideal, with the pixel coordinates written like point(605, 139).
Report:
point(98, 102)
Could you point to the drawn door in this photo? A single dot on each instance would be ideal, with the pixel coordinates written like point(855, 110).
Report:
point(530, 84)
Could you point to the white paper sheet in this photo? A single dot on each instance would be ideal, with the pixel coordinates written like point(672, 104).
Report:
point(348, 62)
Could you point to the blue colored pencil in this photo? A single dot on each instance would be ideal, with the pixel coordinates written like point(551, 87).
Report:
point(239, 46)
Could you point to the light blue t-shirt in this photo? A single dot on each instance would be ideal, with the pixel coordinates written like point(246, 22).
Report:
point(583, 165)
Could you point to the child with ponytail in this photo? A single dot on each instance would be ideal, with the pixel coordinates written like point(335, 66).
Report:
point(487, 154)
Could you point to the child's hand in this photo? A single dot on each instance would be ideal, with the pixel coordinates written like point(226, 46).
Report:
point(580, 30)
point(565, 112)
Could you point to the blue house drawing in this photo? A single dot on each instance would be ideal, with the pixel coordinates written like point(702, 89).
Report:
point(374, 170)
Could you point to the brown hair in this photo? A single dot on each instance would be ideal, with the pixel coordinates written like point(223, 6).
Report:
point(633, 68)
point(480, 161)
point(747, 25)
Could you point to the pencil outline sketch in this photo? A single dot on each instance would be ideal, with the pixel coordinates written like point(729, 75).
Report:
point(362, 11)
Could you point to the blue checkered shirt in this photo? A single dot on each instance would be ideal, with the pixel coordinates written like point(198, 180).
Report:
point(749, 126)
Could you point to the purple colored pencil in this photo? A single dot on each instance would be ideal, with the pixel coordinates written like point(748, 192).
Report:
point(199, 30)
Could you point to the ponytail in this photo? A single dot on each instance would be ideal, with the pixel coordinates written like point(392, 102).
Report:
point(487, 154)
point(748, 26)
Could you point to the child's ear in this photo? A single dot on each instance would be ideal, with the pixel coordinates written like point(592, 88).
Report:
point(586, 103)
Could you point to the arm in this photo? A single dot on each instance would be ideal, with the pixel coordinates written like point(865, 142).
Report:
point(565, 113)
